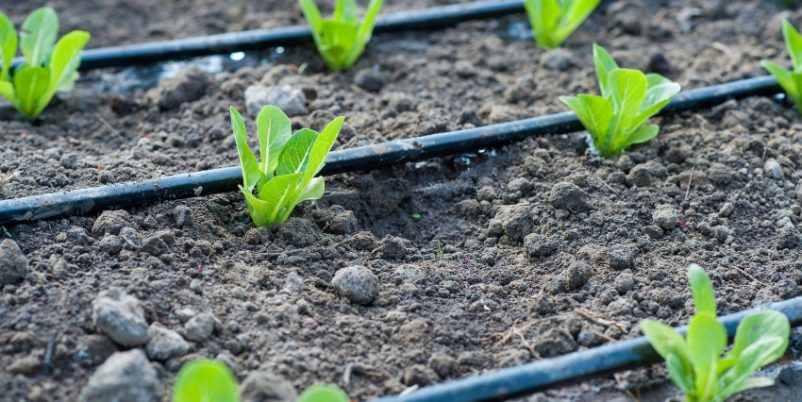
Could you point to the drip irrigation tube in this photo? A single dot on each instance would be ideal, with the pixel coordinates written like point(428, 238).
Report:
point(571, 368)
point(131, 194)
point(425, 19)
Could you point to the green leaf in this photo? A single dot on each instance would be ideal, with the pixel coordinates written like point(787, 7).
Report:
point(273, 128)
point(64, 65)
point(251, 175)
point(657, 97)
point(594, 112)
point(365, 31)
point(785, 78)
point(205, 381)
point(679, 373)
point(664, 339)
point(8, 46)
point(259, 210)
point(38, 35)
point(604, 64)
point(645, 133)
point(277, 194)
point(346, 11)
point(760, 325)
point(544, 15)
point(312, 15)
point(314, 190)
point(706, 340)
point(324, 393)
point(575, 12)
point(752, 358)
point(627, 90)
point(794, 43)
point(30, 84)
point(294, 154)
point(7, 91)
point(321, 148)
point(702, 290)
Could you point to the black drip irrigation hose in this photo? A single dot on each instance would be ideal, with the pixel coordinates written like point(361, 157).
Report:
point(425, 19)
point(567, 369)
point(134, 194)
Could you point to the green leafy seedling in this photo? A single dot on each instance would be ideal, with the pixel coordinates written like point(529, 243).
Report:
point(615, 120)
point(695, 363)
point(553, 21)
point(285, 176)
point(324, 393)
point(789, 80)
point(205, 380)
point(341, 39)
point(49, 66)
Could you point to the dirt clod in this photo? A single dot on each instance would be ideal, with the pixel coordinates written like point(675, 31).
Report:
point(286, 97)
point(13, 264)
point(665, 217)
point(200, 327)
point(118, 316)
point(187, 86)
point(124, 376)
point(165, 343)
point(569, 196)
point(263, 386)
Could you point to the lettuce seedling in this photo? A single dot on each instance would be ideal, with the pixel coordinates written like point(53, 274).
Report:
point(615, 120)
point(342, 38)
point(695, 364)
point(553, 21)
point(205, 380)
point(49, 66)
point(286, 173)
point(790, 81)
point(324, 393)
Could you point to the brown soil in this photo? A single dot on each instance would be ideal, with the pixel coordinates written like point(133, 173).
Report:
point(517, 277)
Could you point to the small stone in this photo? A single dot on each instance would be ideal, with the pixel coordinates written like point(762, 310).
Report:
point(486, 193)
point(420, 375)
point(343, 223)
point(520, 185)
point(200, 327)
point(111, 244)
point(123, 377)
point(568, 196)
point(514, 222)
point(183, 215)
point(395, 248)
point(539, 246)
point(719, 174)
point(165, 343)
point(558, 59)
point(774, 170)
point(357, 284)
point(789, 238)
point(263, 386)
point(369, 80)
point(554, 342)
point(131, 238)
point(577, 275)
point(118, 316)
point(621, 258)
point(286, 97)
point(640, 176)
point(13, 264)
point(187, 86)
point(624, 282)
point(665, 216)
point(726, 210)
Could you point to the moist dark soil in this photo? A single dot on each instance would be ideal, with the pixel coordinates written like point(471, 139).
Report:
point(481, 261)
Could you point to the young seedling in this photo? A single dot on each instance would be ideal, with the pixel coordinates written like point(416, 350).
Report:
point(49, 66)
point(289, 163)
point(553, 21)
point(695, 364)
point(790, 81)
point(615, 120)
point(205, 380)
point(342, 38)
point(212, 381)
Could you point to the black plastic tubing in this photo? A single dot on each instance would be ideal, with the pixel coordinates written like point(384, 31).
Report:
point(425, 19)
point(133, 194)
point(567, 369)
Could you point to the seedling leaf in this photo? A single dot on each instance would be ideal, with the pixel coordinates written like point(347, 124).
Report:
point(38, 36)
point(323, 393)
point(8, 46)
point(341, 39)
point(205, 380)
point(553, 21)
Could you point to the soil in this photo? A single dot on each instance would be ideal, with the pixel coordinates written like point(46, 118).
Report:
point(477, 262)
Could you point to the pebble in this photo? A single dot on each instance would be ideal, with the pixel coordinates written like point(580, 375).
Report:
point(94, 349)
point(773, 168)
point(123, 377)
point(395, 248)
point(118, 316)
point(165, 343)
point(622, 258)
point(512, 221)
point(565, 195)
point(187, 86)
point(357, 284)
point(369, 79)
point(577, 275)
point(183, 215)
point(726, 209)
point(261, 386)
point(13, 264)
point(665, 216)
point(111, 244)
point(789, 238)
point(538, 245)
point(286, 97)
point(200, 327)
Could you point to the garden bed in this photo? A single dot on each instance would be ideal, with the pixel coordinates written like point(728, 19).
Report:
point(480, 264)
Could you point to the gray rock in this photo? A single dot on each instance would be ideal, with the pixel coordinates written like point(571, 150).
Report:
point(773, 169)
point(622, 258)
point(538, 245)
point(357, 284)
point(118, 316)
point(577, 275)
point(183, 215)
point(165, 343)
point(513, 221)
point(395, 248)
point(187, 86)
point(111, 222)
point(13, 264)
point(94, 349)
point(263, 386)
point(200, 327)
point(286, 97)
point(726, 209)
point(558, 59)
point(123, 377)
point(131, 238)
point(640, 176)
point(111, 244)
point(568, 196)
point(624, 282)
point(665, 216)
point(369, 80)
point(789, 238)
